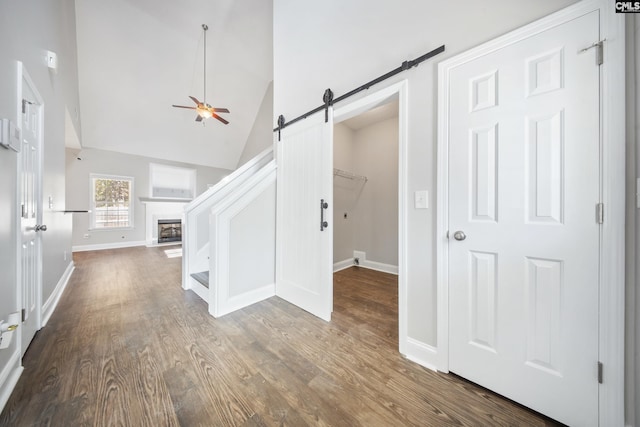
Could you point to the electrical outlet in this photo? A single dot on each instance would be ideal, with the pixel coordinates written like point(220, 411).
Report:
point(64, 256)
point(85, 236)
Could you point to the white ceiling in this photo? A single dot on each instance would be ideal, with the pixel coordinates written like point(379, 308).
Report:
point(138, 57)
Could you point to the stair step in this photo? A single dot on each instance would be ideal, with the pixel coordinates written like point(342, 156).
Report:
point(202, 277)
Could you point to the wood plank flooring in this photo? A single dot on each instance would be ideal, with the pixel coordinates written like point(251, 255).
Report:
point(128, 347)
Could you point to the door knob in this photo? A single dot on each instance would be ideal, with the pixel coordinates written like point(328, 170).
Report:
point(459, 235)
point(40, 227)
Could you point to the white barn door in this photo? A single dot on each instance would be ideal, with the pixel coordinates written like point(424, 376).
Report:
point(524, 185)
point(304, 247)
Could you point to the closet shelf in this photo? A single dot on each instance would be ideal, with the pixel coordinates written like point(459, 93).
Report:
point(349, 175)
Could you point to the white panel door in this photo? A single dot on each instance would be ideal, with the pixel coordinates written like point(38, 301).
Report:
point(30, 216)
point(304, 251)
point(524, 184)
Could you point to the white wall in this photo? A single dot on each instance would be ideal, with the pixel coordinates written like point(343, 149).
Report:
point(110, 162)
point(28, 30)
point(372, 206)
point(365, 40)
point(252, 251)
point(261, 136)
point(345, 194)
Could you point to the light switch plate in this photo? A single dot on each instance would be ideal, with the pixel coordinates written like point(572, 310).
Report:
point(9, 135)
point(421, 199)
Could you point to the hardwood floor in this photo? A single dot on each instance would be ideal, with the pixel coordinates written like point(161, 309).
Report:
point(127, 346)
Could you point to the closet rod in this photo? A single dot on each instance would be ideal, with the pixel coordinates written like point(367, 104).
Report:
point(405, 66)
point(349, 175)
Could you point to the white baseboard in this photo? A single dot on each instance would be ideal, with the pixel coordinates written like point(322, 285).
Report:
point(379, 266)
point(102, 246)
point(52, 302)
point(371, 265)
point(342, 265)
point(9, 377)
point(422, 354)
point(247, 299)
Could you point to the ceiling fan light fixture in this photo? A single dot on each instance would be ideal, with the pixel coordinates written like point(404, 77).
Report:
point(205, 113)
point(204, 110)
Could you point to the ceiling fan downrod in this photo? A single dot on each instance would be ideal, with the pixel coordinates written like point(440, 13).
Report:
point(205, 28)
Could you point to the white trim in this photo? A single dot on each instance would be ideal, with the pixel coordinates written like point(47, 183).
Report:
point(611, 317)
point(400, 89)
point(343, 265)
point(52, 302)
point(612, 250)
point(220, 302)
point(102, 246)
point(246, 299)
point(9, 376)
point(421, 353)
point(379, 266)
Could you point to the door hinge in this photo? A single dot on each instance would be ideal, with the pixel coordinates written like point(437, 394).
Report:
point(600, 372)
point(600, 213)
point(24, 315)
point(600, 52)
point(599, 47)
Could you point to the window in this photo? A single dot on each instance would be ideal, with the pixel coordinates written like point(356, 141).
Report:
point(111, 200)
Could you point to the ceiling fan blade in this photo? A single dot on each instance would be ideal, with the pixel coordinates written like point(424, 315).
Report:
point(198, 118)
point(220, 118)
point(194, 99)
point(184, 106)
point(220, 110)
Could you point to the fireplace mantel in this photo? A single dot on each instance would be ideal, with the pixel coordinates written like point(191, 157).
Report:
point(161, 200)
point(156, 209)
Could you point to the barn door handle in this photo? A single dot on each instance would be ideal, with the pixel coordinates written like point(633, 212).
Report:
point(323, 205)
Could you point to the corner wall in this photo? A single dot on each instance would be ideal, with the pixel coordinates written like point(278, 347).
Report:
point(371, 225)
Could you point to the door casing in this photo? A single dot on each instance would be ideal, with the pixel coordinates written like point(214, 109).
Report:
point(347, 111)
point(612, 113)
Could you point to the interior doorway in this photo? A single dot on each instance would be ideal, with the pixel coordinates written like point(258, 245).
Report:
point(367, 177)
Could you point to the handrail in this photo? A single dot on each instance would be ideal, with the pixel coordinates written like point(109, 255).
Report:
point(257, 162)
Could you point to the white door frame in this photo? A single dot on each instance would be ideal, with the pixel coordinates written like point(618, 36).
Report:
point(23, 76)
point(399, 89)
point(612, 110)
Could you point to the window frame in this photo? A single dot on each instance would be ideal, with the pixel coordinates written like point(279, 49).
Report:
point(92, 201)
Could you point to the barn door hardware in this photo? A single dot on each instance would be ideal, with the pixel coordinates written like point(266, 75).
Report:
point(323, 205)
point(280, 124)
point(328, 102)
point(406, 65)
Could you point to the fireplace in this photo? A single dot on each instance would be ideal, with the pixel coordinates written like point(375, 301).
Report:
point(169, 230)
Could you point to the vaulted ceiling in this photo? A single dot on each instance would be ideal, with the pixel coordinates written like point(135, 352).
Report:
point(138, 57)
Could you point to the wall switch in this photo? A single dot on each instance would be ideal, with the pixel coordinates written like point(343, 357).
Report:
point(9, 135)
point(421, 199)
